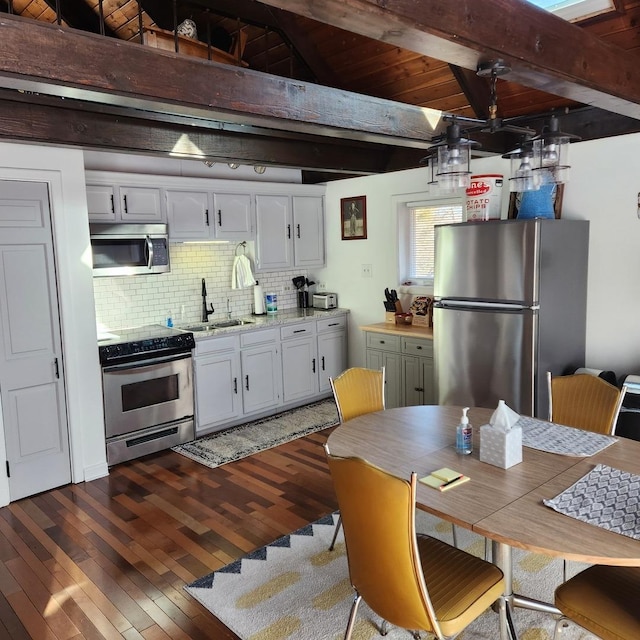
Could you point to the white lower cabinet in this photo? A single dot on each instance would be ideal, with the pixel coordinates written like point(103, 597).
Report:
point(299, 361)
point(332, 350)
point(217, 382)
point(257, 372)
point(408, 366)
point(260, 377)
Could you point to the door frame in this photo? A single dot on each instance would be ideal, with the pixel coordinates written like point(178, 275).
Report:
point(63, 171)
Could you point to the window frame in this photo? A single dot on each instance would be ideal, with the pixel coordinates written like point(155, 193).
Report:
point(403, 205)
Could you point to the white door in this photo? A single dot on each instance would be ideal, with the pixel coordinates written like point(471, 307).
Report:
point(31, 367)
point(260, 375)
point(274, 235)
point(308, 231)
point(299, 369)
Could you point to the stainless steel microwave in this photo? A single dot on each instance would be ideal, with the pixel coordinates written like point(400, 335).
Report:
point(129, 249)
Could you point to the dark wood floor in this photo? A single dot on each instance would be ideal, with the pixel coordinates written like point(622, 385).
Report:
point(109, 558)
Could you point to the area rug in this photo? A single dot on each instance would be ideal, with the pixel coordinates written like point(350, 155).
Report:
point(296, 589)
point(252, 437)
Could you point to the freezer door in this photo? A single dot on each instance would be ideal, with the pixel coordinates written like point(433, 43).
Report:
point(485, 355)
point(493, 261)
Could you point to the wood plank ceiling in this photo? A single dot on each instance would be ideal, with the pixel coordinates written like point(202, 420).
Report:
point(347, 50)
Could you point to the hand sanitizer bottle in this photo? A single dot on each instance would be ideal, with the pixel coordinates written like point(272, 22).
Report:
point(464, 434)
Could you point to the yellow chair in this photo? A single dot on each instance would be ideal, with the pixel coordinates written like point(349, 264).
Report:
point(584, 401)
point(602, 600)
point(411, 581)
point(356, 391)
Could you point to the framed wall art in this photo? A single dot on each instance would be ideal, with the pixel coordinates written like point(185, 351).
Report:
point(353, 212)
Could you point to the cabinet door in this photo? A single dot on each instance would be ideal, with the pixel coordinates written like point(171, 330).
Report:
point(392, 378)
point(412, 381)
point(428, 381)
point(101, 203)
point(188, 215)
point(299, 369)
point(261, 374)
point(308, 231)
point(140, 204)
point(217, 390)
point(232, 216)
point(332, 357)
point(274, 241)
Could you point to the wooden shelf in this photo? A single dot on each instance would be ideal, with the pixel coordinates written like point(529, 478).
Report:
point(165, 40)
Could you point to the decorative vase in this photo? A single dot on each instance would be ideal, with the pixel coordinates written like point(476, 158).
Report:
point(539, 203)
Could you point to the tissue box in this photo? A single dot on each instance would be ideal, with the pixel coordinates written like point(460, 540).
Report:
point(500, 448)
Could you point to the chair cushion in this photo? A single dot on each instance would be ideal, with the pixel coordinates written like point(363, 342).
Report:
point(603, 600)
point(456, 581)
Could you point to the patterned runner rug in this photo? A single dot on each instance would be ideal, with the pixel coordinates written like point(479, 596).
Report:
point(245, 439)
point(295, 589)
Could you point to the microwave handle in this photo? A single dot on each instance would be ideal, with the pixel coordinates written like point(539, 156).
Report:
point(149, 252)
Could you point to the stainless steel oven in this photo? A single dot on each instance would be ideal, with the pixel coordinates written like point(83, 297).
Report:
point(147, 383)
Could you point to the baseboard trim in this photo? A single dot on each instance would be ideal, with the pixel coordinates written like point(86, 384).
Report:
point(96, 471)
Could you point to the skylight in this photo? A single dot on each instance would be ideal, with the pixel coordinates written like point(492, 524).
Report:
point(573, 10)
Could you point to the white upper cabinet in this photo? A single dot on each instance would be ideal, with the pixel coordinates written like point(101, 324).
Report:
point(119, 203)
point(188, 215)
point(203, 215)
point(232, 216)
point(289, 232)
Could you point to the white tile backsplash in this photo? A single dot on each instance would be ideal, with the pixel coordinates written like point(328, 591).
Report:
point(138, 300)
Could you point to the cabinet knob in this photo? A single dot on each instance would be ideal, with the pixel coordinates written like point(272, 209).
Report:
point(206, 216)
point(246, 381)
point(235, 386)
point(219, 217)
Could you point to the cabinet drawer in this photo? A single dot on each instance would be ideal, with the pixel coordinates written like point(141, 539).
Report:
point(383, 341)
point(331, 324)
point(297, 331)
point(417, 347)
point(251, 338)
point(216, 345)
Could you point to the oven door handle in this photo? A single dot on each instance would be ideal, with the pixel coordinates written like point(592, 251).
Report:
point(127, 366)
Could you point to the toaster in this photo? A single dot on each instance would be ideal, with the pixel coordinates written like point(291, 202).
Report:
point(325, 300)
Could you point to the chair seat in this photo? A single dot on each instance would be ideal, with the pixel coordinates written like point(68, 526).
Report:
point(603, 600)
point(456, 582)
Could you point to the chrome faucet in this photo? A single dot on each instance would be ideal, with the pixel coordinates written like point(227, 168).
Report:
point(228, 309)
point(205, 311)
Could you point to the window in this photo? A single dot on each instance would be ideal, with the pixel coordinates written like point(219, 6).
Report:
point(417, 221)
point(574, 10)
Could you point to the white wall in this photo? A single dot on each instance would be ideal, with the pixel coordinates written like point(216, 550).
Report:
point(63, 170)
point(600, 190)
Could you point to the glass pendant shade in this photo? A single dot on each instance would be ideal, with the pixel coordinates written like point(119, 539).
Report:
point(523, 176)
point(453, 168)
point(551, 154)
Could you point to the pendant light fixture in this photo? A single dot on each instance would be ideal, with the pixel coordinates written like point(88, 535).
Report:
point(538, 159)
point(450, 159)
point(551, 150)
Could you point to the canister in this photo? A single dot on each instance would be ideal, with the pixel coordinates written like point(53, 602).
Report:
point(484, 197)
point(272, 302)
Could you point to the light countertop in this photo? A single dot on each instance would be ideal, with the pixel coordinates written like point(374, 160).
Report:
point(407, 330)
point(286, 316)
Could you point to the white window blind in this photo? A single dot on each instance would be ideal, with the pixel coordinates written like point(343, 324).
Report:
point(422, 220)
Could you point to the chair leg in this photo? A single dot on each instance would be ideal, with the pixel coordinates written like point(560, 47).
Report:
point(384, 628)
point(454, 533)
point(561, 624)
point(335, 533)
point(352, 616)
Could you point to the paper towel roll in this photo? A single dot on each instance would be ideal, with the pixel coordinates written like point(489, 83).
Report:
point(258, 300)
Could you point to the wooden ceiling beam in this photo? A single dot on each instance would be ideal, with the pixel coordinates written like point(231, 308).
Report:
point(85, 66)
point(544, 51)
point(47, 120)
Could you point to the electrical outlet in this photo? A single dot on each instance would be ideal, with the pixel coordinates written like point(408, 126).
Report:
point(367, 271)
point(321, 286)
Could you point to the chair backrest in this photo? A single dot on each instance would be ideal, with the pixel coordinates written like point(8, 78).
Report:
point(378, 516)
point(358, 391)
point(584, 401)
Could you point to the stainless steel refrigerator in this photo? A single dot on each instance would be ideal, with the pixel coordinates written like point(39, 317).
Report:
point(509, 304)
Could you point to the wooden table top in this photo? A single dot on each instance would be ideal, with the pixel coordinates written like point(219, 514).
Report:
point(504, 505)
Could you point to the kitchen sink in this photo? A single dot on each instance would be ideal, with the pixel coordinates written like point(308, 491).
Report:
point(210, 326)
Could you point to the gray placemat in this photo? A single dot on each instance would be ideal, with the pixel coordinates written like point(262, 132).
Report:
point(605, 497)
point(558, 438)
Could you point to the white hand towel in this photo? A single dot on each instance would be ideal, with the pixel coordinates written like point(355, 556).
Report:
point(241, 274)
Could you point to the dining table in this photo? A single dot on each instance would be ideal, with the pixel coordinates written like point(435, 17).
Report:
point(503, 505)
